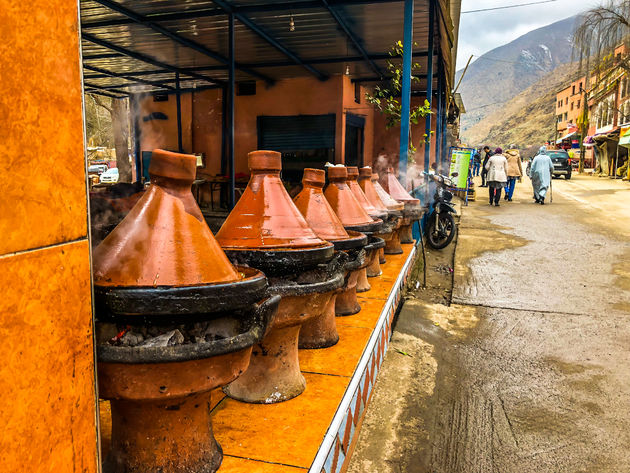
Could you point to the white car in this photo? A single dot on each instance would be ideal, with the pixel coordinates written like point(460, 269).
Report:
point(111, 175)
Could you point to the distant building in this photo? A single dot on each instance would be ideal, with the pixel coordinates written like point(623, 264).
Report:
point(569, 104)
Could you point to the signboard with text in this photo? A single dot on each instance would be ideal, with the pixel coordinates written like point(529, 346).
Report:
point(460, 164)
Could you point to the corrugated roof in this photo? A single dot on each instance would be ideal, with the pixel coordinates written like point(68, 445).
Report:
point(317, 39)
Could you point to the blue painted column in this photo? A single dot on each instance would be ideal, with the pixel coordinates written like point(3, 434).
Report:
point(406, 92)
point(440, 116)
point(230, 122)
point(427, 128)
point(447, 162)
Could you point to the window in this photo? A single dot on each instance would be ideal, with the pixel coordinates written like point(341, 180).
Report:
point(560, 104)
point(573, 93)
point(578, 104)
point(580, 87)
point(559, 118)
point(571, 106)
point(566, 101)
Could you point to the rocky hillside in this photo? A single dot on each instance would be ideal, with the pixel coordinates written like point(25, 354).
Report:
point(501, 74)
point(529, 118)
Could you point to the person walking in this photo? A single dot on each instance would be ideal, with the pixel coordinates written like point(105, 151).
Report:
point(497, 168)
point(514, 172)
point(476, 162)
point(540, 173)
point(484, 171)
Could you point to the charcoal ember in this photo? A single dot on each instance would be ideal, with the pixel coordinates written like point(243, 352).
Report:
point(131, 339)
point(169, 339)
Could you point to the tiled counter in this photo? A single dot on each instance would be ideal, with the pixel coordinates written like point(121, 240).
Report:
point(315, 431)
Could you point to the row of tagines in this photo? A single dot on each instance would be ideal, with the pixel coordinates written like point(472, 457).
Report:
point(181, 312)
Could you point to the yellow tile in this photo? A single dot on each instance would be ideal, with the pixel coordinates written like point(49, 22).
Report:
point(42, 170)
point(341, 359)
point(289, 432)
point(380, 289)
point(370, 312)
point(243, 465)
point(47, 395)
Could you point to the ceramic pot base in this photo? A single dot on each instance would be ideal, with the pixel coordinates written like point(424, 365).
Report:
point(274, 370)
point(362, 282)
point(406, 236)
point(347, 303)
point(320, 332)
point(381, 256)
point(146, 434)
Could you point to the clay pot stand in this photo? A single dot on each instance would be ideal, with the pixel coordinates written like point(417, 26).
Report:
point(347, 302)
point(160, 398)
point(410, 215)
point(321, 332)
point(372, 261)
point(391, 235)
point(168, 304)
point(274, 370)
point(282, 261)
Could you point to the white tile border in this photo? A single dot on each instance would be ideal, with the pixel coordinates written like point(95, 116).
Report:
point(328, 442)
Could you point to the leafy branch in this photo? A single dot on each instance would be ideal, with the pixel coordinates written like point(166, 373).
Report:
point(386, 98)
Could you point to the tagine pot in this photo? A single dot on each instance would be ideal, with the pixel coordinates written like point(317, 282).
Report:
point(161, 267)
point(392, 246)
point(266, 230)
point(412, 210)
point(321, 332)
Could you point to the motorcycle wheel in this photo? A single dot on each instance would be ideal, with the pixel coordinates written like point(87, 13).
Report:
point(442, 236)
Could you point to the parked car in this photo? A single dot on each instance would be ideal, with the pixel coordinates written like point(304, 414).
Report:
point(111, 175)
point(97, 169)
point(561, 163)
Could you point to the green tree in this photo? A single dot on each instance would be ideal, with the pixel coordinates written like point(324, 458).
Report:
point(386, 96)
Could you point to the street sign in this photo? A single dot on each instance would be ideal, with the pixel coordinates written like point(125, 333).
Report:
point(461, 163)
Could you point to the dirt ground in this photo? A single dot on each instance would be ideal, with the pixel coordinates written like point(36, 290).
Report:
point(523, 364)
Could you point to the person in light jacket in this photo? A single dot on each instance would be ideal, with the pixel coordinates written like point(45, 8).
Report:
point(515, 171)
point(540, 173)
point(497, 168)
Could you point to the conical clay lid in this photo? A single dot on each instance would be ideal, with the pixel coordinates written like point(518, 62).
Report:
point(164, 240)
point(365, 181)
point(343, 201)
point(353, 175)
point(396, 190)
point(384, 196)
point(316, 209)
point(265, 217)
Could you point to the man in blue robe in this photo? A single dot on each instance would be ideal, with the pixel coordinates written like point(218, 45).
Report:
point(540, 173)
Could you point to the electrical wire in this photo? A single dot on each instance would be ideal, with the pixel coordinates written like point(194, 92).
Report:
point(508, 6)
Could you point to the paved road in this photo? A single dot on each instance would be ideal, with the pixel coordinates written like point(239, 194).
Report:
point(529, 369)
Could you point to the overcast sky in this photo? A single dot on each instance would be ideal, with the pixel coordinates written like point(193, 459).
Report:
point(483, 31)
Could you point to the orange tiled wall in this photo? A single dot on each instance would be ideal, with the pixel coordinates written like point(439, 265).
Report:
point(47, 395)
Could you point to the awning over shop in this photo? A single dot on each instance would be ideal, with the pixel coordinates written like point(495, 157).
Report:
point(567, 136)
point(624, 136)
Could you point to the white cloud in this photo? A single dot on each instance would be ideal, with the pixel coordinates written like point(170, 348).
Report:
point(483, 31)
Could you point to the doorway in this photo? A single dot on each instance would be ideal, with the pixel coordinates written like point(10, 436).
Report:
point(355, 126)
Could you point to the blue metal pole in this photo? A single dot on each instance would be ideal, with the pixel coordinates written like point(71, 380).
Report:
point(440, 115)
point(231, 84)
point(406, 92)
point(427, 128)
point(447, 164)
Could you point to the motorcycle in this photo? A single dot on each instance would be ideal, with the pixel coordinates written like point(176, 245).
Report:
point(441, 227)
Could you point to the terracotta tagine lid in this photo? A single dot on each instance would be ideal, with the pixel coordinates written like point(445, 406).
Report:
point(353, 175)
point(265, 217)
point(396, 190)
point(342, 200)
point(164, 240)
point(390, 203)
point(321, 216)
point(365, 181)
point(316, 209)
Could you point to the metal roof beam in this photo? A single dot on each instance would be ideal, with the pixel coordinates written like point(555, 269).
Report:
point(149, 60)
point(331, 60)
point(105, 94)
point(143, 20)
point(352, 37)
point(264, 35)
point(128, 77)
point(110, 89)
point(244, 9)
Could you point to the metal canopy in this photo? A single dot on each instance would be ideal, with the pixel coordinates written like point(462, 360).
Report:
point(138, 46)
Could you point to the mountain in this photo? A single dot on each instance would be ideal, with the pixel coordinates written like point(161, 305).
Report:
point(528, 120)
point(501, 74)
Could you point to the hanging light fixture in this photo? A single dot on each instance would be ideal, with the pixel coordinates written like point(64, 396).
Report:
point(291, 24)
point(347, 69)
